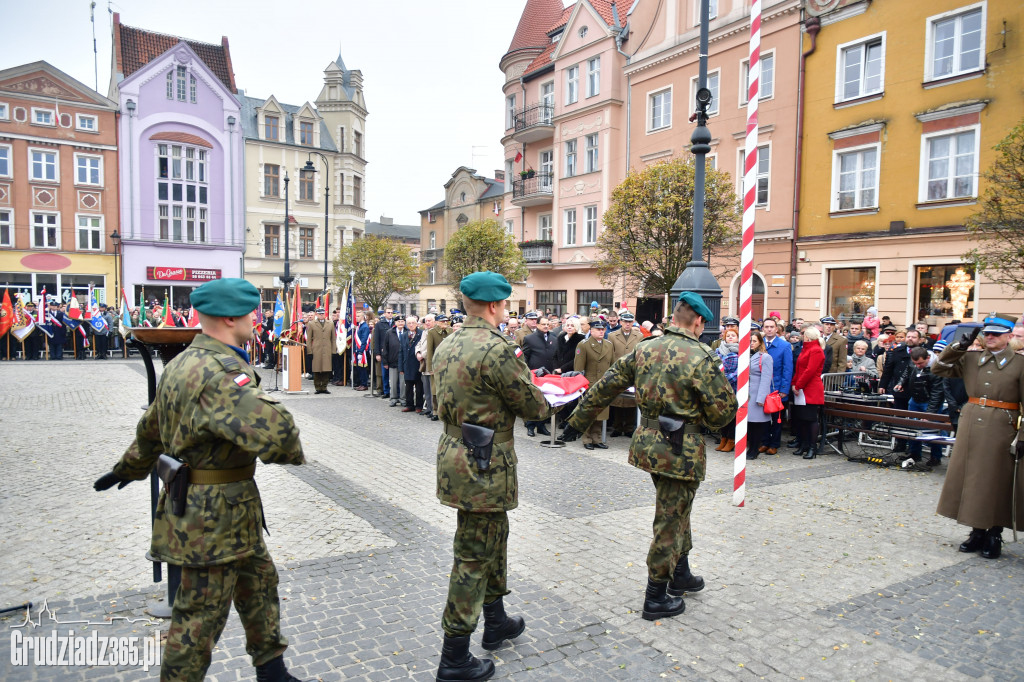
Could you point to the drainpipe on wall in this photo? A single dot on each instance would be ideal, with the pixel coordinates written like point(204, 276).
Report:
point(231, 177)
point(812, 25)
point(629, 88)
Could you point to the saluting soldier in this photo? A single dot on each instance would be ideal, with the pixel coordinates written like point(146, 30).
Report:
point(482, 381)
point(438, 333)
point(837, 343)
point(980, 479)
point(594, 355)
point(210, 414)
point(679, 380)
point(624, 340)
point(320, 337)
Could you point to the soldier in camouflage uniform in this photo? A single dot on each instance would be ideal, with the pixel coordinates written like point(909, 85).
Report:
point(210, 414)
point(482, 380)
point(675, 376)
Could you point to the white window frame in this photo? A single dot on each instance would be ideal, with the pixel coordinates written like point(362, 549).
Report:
point(40, 110)
point(544, 230)
point(745, 77)
point(547, 100)
point(32, 228)
point(922, 189)
point(712, 12)
point(665, 115)
point(716, 92)
point(510, 226)
point(572, 84)
point(10, 227)
point(9, 156)
point(431, 274)
point(840, 77)
point(739, 174)
point(566, 222)
point(91, 127)
point(929, 45)
point(591, 154)
point(5, 111)
point(56, 164)
point(836, 153)
point(571, 157)
point(433, 239)
point(594, 76)
point(79, 217)
point(83, 157)
point(590, 220)
point(510, 112)
point(546, 159)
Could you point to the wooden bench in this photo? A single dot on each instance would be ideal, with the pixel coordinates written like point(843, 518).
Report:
point(903, 424)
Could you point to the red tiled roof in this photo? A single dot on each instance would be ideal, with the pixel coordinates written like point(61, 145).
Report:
point(562, 20)
point(603, 7)
point(182, 137)
point(136, 47)
point(542, 60)
point(537, 16)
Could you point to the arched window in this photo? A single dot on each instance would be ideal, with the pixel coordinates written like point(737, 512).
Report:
point(433, 240)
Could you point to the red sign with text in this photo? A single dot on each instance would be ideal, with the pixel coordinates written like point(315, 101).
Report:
point(158, 272)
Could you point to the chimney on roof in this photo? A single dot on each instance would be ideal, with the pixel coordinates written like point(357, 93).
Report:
point(355, 79)
point(384, 220)
point(499, 175)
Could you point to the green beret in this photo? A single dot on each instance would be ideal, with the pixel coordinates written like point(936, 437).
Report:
point(485, 286)
point(697, 303)
point(227, 297)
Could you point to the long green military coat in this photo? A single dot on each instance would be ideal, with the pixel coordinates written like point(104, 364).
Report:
point(320, 340)
point(979, 480)
point(210, 413)
point(622, 344)
point(674, 374)
point(482, 379)
point(435, 336)
point(593, 358)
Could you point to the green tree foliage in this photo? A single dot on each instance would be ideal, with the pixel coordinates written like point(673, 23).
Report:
point(648, 230)
point(382, 267)
point(998, 226)
point(483, 245)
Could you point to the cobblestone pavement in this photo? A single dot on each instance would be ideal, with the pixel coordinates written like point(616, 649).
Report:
point(833, 570)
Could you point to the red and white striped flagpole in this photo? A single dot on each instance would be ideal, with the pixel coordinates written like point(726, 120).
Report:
point(747, 257)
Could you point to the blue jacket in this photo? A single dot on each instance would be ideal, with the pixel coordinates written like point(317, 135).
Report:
point(782, 364)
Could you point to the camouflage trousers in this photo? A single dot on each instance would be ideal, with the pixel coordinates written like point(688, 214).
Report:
point(672, 539)
point(479, 572)
point(201, 608)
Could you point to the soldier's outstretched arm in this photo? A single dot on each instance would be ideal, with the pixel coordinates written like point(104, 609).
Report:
point(617, 379)
point(140, 457)
point(718, 400)
point(251, 419)
point(512, 380)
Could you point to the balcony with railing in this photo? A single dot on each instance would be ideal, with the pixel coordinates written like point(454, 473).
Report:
point(537, 251)
point(534, 123)
point(431, 254)
point(535, 190)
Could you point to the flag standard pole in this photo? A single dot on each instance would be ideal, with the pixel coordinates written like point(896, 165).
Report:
point(747, 257)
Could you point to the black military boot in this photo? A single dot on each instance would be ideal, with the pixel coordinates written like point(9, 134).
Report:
point(458, 665)
point(657, 604)
point(274, 670)
point(683, 581)
point(974, 541)
point(993, 546)
point(498, 627)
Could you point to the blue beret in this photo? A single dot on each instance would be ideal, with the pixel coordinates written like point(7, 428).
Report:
point(485, 286)
point(227, 297)
point(697, 303)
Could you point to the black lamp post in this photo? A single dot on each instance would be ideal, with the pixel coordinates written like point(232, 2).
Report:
point(697, 276)
point(308, 170)
point(286, 281)
point(115, 237)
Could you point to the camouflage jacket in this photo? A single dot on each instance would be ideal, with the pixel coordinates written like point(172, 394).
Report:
point(482, 379)
point(674, 374)
point(210, 413)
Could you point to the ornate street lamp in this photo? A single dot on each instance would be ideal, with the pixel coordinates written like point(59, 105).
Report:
point(307, 171)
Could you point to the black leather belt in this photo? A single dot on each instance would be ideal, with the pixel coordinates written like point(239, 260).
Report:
point(456, 432)
point(652, 423)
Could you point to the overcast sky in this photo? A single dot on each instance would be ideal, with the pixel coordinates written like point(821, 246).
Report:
point(430, 70)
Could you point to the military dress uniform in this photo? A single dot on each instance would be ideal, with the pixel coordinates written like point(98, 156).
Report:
point(526, 329)
point(320, 337)
point(435, 336)
point(979, 481)
point(210, 413)
point(674, 375)
point(623, 409)
point(837, 343)
point(481, 379)
point(593, 357)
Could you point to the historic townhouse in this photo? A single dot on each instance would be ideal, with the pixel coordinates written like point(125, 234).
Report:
point(904, 102)
point(180, 163)
point(58, 185)
point(662, 76)
point(326, 206)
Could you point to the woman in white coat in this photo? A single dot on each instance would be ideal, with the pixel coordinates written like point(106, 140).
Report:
point(760, 367)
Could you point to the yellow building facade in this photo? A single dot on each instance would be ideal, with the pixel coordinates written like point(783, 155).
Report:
point(902, 104)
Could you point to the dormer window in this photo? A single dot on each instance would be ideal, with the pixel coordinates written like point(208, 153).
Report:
point(181, 85)
point(270, 125)
point(306, 133)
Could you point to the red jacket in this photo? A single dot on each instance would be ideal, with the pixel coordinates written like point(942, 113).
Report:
point(807, 373)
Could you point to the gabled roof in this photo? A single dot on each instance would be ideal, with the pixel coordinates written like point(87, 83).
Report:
point(42, 79)
point(532, 30)
point(251, 131)
point(136, 47)
point(392, 231)
point(603, 7)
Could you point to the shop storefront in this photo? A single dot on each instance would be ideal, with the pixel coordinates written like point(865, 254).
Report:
point(153, 274)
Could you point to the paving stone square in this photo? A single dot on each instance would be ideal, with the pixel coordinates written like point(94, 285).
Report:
point(832, 569)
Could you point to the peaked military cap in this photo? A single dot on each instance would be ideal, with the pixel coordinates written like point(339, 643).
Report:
point(440, 317)
point(399, 316)
point(533, 315)
point(697, 303)
point(597, 324)
point(828, 319)
point(320, 311)
point(755, 327)
point(999, 323)
point(485, 286)
point(730, 320)
point(627, 316)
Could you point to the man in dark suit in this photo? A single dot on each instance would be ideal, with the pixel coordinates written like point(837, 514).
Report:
point(539, 351)
point(410, 365)
point(390, 360)
point(896, 362)
point(380, 332)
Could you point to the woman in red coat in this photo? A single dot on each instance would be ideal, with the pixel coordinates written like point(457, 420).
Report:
point(807, 388)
